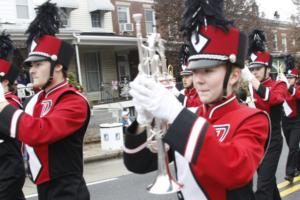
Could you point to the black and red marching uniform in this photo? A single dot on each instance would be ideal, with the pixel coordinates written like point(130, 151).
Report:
point(269, 97)
point(216, 151)
point(12, 172)
point(291, 129)
point(52, 126)
point(189, 97)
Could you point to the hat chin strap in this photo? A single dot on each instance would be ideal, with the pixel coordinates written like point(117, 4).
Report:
point(50, 79)
point(226, 79)
point(265, 73)
point(225, 83)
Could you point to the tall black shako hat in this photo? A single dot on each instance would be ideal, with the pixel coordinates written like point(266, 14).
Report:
point(257, 55)
point(41, 41)
point(184, 55)
point(8, 71)
point(290, 68)
point(213, 39)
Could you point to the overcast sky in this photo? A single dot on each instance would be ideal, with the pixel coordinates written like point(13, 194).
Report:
point(285, 8)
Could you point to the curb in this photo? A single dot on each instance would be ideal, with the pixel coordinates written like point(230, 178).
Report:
point(104, 156)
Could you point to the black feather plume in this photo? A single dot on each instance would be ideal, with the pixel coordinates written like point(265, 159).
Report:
point(46, 22)
point(257, 40)
point(289, 62)
point(6, 45)
point(184, 54)
point(203, 12)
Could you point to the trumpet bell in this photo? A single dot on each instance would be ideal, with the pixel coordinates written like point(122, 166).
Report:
point(163, 184)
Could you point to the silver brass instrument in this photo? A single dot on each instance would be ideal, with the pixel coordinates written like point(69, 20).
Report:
point(280, 75)
point(153, 64)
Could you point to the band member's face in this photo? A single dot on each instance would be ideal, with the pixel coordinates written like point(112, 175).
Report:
point(258, 72)
point(291, 80)
point(187, 81)
point(209, 83)
point(40, 72)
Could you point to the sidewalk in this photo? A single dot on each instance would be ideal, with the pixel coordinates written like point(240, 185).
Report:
point(92, 152)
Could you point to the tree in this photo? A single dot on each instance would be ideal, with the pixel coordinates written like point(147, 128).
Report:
point(244, 13)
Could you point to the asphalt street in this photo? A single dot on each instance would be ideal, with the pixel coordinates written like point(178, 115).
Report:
point(109, 180)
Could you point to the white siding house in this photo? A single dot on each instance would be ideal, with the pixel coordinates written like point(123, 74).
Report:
point(104, 54)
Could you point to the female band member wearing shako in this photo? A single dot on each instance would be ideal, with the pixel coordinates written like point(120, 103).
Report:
point(218, 149)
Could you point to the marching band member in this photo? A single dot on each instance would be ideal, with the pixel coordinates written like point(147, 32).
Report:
point(291, 120)
point(12, 172)
point(55, 119)
point(188, 96)
point(218, 149)
point(269, 96)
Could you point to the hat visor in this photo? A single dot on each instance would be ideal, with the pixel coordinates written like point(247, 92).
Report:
point(35, 59)
point(186, 73)
point(291, 76)
point(254, 65)
point(203, 64)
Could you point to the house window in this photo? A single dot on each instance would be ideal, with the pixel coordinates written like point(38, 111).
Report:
point(284, 42)
point(97, 19)
point(64, 17)
point(123, 15)
point(275, 42)
point(92, 71)
point(149, 21)
point(22, 9)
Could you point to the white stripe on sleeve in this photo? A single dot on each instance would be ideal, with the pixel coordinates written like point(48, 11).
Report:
point(193, 138)
point(13, 125)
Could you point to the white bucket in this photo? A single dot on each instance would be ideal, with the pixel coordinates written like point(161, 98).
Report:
point(111, 136)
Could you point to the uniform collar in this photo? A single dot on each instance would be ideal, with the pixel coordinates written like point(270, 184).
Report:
point(190, 91)
point(8, 93)
point(56, 87)
point(266, 80)
point(218, 110)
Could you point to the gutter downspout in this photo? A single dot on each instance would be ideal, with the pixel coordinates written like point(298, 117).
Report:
point(77, 57)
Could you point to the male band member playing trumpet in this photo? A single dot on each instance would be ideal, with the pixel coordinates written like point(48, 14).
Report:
point(54, 120)
point(269, 96)
point(218, 149)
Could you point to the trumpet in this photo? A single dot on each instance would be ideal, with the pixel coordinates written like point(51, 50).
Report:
point(153, 64)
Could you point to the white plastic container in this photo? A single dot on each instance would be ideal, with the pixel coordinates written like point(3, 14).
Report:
point(111, 135)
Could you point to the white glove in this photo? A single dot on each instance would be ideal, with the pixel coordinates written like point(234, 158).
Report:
point(175, 91)
point(246, 74)
point(281, 77)
point(155, 98)
point(144, 117)
point(2, 97)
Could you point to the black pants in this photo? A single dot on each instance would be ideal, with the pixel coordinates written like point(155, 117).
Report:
point(266, 174)
point(291, 130)
point(69, 187)
point(12, 172)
